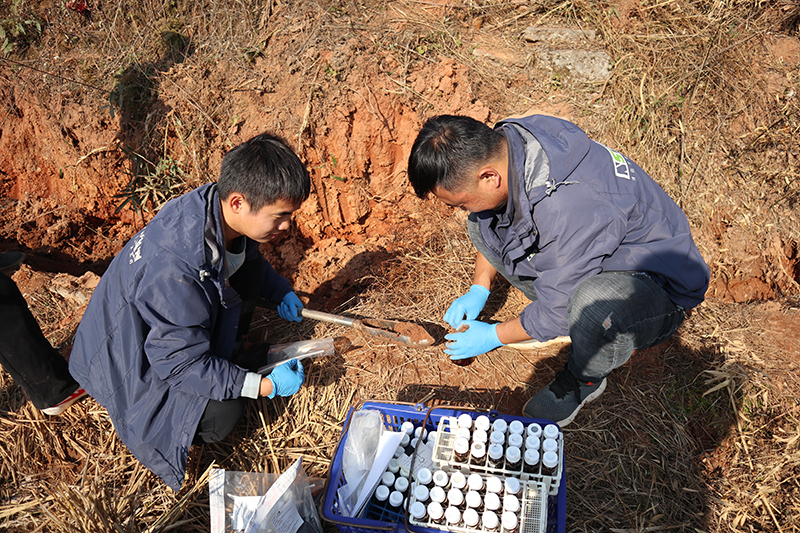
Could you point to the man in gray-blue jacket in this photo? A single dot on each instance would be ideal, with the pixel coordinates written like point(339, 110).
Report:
point(158, 343)
point(602, 252)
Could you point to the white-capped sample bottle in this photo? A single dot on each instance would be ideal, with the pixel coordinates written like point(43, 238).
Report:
point(471, 518)
point(421, 433)
point(452, 516)
point(431, 438)
point(473, 499)
point(497, 437)
point(515, 439)
point(401, 485)
point(399, 451)
point(407, 427)
point(394, 466)
point(437, 494)
point(418, 511)
point(491, 502)
point(534, 430)
point(513, 486)
point(424, 477)
point(496, 457)
point(532, 443)
point(510, 522)
point(475, 482)
point(405, 440)
point(516, 427)
point(440, 478)
point(549, 463)
point(494, 484)
point(510, 503)
point(490, 521)
point(458, 480)
point(465, 421)
point(482, 422)
point(436, 512)
point(455, 498)
point(388, 479)
point(531, 462)
point(461, 450)
point(500, 425)
point(513, 459)
point(549, 445)
point(421, 493)
point(550, 431)
point(412, 447)
point(480, 435)
point(381, 496)
point(463, 433)
point(395, 501)
point(477, 454)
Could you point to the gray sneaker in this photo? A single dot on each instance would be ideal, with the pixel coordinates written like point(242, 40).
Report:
point(9, 260)
point(561, 400)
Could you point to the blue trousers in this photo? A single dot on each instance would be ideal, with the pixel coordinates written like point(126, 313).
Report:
point(609, 315)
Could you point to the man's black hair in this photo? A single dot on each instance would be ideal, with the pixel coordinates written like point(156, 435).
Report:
point(264, 170)
point(447, 149)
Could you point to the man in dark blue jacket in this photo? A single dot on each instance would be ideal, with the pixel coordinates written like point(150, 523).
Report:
point(602, 252)
point(156, 343)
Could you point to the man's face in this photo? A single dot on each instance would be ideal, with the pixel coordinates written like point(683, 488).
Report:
point(473, 199)
point(266, 223)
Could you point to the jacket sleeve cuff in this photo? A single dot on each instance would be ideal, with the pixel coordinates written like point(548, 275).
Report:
point(252, 385)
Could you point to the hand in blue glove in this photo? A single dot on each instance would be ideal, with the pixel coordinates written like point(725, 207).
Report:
point(478, 339)
point(286, 378)
point(289, 308)
point(467, 306)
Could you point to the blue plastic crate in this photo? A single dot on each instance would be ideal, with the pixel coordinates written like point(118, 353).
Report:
point(394, 415)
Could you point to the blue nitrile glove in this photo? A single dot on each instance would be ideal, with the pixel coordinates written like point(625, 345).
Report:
point(478, 339)
point(289, 308)
point(467, 306)
point(286, 378)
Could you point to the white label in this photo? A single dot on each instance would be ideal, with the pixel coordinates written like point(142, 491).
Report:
point(287, 519)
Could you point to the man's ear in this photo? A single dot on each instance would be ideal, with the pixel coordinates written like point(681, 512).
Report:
point(490, 177)
point(236, 202)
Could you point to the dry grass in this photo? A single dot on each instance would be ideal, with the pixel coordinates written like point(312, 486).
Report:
point(699, 434)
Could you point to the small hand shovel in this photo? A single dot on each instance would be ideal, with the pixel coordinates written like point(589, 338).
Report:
point(412, 335)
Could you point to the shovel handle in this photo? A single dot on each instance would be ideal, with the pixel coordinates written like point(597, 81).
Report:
point(314, 315)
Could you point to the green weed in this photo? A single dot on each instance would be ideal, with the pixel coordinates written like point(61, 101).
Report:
point(151, 184)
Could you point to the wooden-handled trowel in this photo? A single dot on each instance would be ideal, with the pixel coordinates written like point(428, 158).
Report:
point(412, 335)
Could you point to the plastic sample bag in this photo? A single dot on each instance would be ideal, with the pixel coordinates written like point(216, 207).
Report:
point(251, 502)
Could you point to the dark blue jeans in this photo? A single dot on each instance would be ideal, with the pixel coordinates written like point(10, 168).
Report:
point(27, 355)
point(609, 315)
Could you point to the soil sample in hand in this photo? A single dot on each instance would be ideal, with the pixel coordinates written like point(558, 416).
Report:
point(469, 360)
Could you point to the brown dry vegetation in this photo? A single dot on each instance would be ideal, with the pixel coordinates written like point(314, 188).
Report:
point(698, 434)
